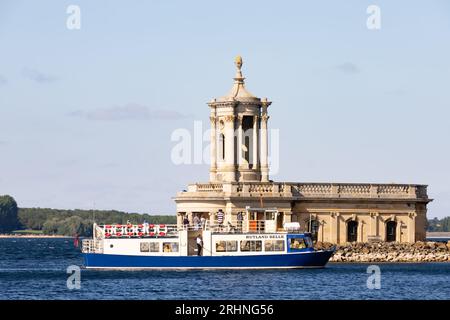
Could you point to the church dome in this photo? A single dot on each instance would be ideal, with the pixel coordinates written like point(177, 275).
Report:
point(238, 92)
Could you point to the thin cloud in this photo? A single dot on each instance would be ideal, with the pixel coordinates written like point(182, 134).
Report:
point(3, 80)
point(348, 68)
point(129, 112)
point(37, 76)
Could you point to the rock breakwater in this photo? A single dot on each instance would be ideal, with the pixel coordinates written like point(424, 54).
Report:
point(389, 252)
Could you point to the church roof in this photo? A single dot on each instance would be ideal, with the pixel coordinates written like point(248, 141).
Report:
point(238, 91)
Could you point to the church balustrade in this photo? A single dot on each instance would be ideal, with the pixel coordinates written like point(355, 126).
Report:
point(327, 190)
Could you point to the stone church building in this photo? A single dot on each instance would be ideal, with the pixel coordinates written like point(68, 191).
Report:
point(333, 212)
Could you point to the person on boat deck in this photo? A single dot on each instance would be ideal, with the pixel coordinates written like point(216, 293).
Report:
point(146, 229)
point(220, 216)
point(186, 221)
point(199, 245)
point(240, 218)
point(196, 221)
point(203, 222)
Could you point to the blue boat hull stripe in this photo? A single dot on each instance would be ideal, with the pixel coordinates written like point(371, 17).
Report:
point(293, 260)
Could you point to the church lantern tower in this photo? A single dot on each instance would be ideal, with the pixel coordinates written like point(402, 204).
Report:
point(239, 139)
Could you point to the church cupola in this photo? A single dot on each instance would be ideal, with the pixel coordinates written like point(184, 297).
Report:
point(239, 141)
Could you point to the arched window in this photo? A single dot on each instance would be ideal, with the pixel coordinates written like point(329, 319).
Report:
point(352, 231)
point(391, 231)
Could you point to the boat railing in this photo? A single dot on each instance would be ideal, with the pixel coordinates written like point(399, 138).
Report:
point(91, 246)
point(135, 230)
point(235, 226)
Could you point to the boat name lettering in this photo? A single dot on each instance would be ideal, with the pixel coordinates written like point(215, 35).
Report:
point(264, 236)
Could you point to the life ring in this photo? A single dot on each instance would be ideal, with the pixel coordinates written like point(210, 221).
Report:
point(119, 226)
point(107, 235)
point(129, 225)
point(118, 234)
point(152, 226)
point(152, 234)
point(108, 227)
point(162, 225)
point(140, 226)
point(140, 234)
point(130, 234)
point(162, 234)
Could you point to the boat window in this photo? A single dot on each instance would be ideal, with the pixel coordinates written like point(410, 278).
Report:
point(154, 246)
point(309, 242)
point(298, 243)
point(253, 245)
point(274, 245)
point(170, 246)
point(270, 216)
point(226, 246)
point(145, 247)
point(149, 246)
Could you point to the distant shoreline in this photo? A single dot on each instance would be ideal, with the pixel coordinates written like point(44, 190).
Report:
point(5, 236)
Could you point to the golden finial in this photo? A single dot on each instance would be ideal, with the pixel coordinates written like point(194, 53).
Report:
point(238, 62)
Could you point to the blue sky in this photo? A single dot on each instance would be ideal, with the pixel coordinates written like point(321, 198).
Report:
point(87, 114)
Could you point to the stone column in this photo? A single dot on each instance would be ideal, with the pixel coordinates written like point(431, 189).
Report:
point(287, 217)
point(229, 148)
point(400, 237)
point(374, 223)
point(412, 227)
point(239, 148)
point(255, 143)
point(179, 219)
point(264, 149)
point(213, 151)
point(190, 216)
point(334, 227)
point(359, 231)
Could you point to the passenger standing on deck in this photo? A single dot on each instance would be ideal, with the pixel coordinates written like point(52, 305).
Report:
point(240, 218)
point(146, 230)
point(199, 245)
point(220, 216)
point(196, 222)
point(186, 222)
point(203, 222)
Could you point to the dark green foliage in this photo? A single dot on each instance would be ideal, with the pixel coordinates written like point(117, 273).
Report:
point(439, 225)
point(71, 222)
point(8, 214)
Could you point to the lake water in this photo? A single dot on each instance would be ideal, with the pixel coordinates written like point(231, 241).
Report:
point(37, 269)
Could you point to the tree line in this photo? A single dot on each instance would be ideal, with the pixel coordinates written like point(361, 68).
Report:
point(66, 222)
point(439, 225)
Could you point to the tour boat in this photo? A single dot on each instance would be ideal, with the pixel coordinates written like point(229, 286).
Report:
point(254, 242)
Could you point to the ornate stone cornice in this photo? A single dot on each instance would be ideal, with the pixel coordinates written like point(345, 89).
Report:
point(334, 214)
point(412, 214)
point(265, 102)
point(229, 118)
point(233, 103)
